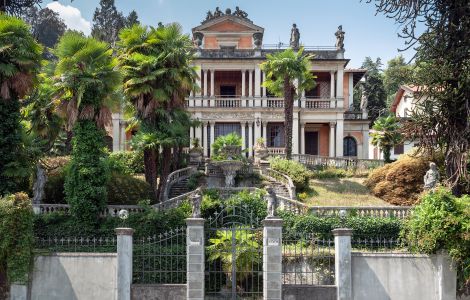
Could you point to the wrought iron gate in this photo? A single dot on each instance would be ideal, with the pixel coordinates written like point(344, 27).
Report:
point(234, 255)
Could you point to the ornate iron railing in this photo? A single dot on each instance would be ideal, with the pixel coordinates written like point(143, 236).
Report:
point(378, 244)
point(307, 260)
point(160, 259)
point(100, 244)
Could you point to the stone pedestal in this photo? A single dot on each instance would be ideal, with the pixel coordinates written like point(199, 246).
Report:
point(195, 258)
point(124, 262)
point(343, 263)
point(272, 259)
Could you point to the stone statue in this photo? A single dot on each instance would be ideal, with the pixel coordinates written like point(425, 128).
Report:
point(197, 39)
point(272, 202)
point(364, 100)
point(294, 37)
point(209, 16)
point(217, 12)
point(39, 184)
point(240, 13)
point(340, 37)
point(196, 200)
point(258, 39)
point(432, 177)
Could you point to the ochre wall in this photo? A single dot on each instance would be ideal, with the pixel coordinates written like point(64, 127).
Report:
point(210, 42)
point(245, 42)
point(346, 89)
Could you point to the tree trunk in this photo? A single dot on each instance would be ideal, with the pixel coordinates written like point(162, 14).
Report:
point(150, 164)
point(174, 159)
point(288, 116)
point(68, 142)
point(166, 164)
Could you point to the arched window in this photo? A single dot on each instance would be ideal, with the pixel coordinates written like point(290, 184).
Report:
point(349, 146)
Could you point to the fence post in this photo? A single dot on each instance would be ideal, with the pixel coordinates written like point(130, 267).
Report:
point(124, 262)
point(195, 258)
point(272, 258)
point(343, 263)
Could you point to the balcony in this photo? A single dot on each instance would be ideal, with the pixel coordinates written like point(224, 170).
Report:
point(310, 103)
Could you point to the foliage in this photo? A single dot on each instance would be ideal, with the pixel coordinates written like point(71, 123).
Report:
point(132, 19)
point(386, 134)
point(229, 140)
point(107, 22)
point(46, 25)
point(442, 221)
point(20, 58)
point(331, 173)
point(400, 182)
point(442, 119)
point(299, 174)
point(365, 227)
point(127, 162)
point(193, 180)
point(246, 253)
point(287, 75)
point(16, 230)
point(17, 7)
point(397, 73)
point(88, 174)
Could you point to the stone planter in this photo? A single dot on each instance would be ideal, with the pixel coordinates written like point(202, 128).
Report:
point(195, 155)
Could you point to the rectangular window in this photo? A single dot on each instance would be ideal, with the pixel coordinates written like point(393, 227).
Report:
point(275, 135)
point(226, 128)
point(399, 149)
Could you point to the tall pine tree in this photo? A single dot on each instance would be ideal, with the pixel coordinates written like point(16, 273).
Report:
point(132, 19)
point(107, 22)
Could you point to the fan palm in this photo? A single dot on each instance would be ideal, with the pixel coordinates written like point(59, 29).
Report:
point(20, 59)
point(287, 75)
point(87, 82)
point(156, 64)
point(386, 134)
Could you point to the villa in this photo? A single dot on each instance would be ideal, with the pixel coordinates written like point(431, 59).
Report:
point(229, 51)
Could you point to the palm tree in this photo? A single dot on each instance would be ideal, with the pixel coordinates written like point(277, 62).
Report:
point(156, 64)
point(20, 60)
point(87, 82)
point(386, 134)
point(287, 75)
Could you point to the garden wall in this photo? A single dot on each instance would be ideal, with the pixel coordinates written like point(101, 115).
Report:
point(308, 292)
point(158, 291)
point(74, 276)
point(386, 276)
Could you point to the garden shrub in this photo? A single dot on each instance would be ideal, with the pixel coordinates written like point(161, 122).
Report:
point(231, 139)
point(331, 173)
point(16, 232)
point(54, 165)
point(299, 174)
point(399, 183)
point(127, 162)
point(442, 221)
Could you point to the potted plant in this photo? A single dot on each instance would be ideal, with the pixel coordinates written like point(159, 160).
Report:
point(261, 151)
point(196, 151)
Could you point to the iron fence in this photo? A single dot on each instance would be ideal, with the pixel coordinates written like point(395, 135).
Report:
point(307, 260)
point(160, 259)
point(99, 244)
point(378, 244)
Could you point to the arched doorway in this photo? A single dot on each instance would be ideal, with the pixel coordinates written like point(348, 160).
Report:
point(349, 146)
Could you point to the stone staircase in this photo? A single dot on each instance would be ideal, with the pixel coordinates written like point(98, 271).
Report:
point(179, 188)
point(279, 188)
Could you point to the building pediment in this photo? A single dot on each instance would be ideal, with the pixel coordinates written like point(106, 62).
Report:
point(228, 23)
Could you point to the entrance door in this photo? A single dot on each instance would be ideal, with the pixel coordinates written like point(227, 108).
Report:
point(311, 143)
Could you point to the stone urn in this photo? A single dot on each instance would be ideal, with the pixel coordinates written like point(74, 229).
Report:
point(261, 151)
point(196, 152)
point(229, 168)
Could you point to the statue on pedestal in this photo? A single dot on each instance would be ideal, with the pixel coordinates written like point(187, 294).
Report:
point(364, 100)
point(196, 200)
point(272, 202)
point(340, 38)
point(432, 177)
point(294, 37)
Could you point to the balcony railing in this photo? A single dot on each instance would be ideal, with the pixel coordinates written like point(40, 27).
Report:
point(312, 103)
point(355, 115)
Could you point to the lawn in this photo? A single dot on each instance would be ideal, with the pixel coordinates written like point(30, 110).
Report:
point(341, 192)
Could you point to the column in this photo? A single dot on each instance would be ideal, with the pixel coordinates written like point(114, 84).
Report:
point(339, 137)
point(302, 138)
point(257, 86)
point(212, 83)
point(243, 83)
point(195, 258)
point(198, 132)
point(332, 84)
point(206, 148)
point(331, 147)
point(243, 125)
point(204, 82)
point(365, 144)
point(122, 141)
point(191, 135)
point(295, 134)
point(272, 258)
point(265, 132)
point(257, 128)
point(339, 84)
point(198, 80)
point(343, 263)
point(250, 139)
point(124, 262)
point(250, 83)
point(264, 88)
point(212, 124)
point(116, 131)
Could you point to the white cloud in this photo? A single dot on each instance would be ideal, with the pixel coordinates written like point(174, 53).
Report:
point(71, 16)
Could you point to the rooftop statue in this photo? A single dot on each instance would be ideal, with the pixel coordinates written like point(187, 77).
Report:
point(340, 37)
point(228, 12)
point(240, 13)
point(294, 37)
point(217, 12)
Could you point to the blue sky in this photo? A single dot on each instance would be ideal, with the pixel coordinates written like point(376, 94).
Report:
point(317, 20)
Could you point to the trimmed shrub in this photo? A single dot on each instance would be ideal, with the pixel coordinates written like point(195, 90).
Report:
point(399, 183)
point(331, 173)
point(127, 162)
point(299, 174)
point(442, 221)
point(16, 231)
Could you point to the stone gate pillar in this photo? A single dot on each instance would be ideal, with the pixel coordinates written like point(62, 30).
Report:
point(343, 263)
point(124, 262)
point(272, 259)
point(195, 258)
